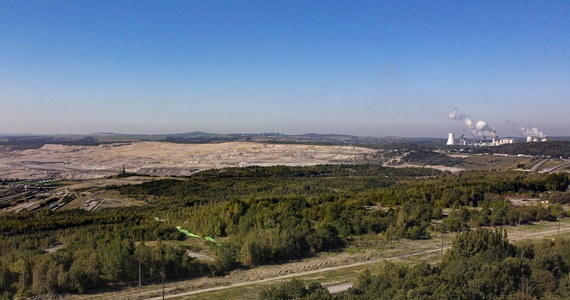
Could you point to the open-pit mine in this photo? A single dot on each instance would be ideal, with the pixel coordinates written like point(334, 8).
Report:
point(164, 159)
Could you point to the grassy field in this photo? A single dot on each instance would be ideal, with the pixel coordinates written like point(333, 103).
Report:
point(107, 198)
point(493, 162)
point(552, 163)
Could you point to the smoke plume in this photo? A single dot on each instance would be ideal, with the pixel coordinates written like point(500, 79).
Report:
point(534, 132)
point(455, 115)
point(478, 129)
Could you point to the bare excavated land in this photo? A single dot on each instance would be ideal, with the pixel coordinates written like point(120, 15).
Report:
point(165, 159)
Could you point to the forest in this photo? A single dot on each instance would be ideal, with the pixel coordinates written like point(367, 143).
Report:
point(552, 149)
point(431, 158)
point(259, 215)
point(481, 264)
point(426, 153)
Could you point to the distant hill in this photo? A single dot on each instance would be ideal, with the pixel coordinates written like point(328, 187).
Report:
point(559, 146)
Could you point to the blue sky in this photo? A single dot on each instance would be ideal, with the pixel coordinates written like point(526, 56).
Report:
point(355, 67)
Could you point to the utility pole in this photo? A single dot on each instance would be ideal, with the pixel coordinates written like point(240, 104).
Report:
point(162, 276)
point(442, 243)
point(140, 274)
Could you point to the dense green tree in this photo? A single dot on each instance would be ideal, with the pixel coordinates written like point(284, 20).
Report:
point(557, 182)
point(266, 215)
point(480, 265)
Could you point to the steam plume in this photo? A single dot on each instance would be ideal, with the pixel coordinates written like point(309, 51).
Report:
point(534, 132)
point(479, 128)
point(455, 115)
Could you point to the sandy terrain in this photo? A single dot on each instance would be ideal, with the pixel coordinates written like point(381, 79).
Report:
point(437, 167)
point(164, 159)
point(523, 200)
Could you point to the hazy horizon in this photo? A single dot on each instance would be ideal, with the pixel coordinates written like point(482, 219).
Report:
point(362, 68)
point(268, 134)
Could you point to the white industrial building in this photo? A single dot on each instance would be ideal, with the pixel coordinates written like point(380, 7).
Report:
point(495, 141)
point(533, 139)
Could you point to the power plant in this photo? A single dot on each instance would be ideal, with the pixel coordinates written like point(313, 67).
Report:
point(480, 130)
point(495, 141)
point(533, 139)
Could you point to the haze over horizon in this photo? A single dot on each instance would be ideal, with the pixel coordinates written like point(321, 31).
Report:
point(364, 68)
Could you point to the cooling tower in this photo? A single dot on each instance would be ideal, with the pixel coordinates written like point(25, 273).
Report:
point(451, 139)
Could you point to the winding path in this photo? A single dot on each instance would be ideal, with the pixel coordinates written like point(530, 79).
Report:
point(538, 165)
point(557, 167)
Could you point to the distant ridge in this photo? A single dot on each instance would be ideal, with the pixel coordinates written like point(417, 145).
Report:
point(104, 134)
point(208, 137)
point(328, 135)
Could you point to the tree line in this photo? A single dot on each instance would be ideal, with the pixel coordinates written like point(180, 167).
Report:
point(481, 264)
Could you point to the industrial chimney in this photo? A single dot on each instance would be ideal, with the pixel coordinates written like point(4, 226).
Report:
point(451, 139)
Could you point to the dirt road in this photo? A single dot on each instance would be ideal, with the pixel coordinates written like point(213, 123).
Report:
point(339, 288)
point(538, 165)
point(294, 275)
point(567, 163)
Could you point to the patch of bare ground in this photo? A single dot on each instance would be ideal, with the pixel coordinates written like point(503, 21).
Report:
point(165, 159)
point(523, 200)
point(437, 167)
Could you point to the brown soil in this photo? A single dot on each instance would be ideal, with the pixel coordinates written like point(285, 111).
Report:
point(165, 159)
